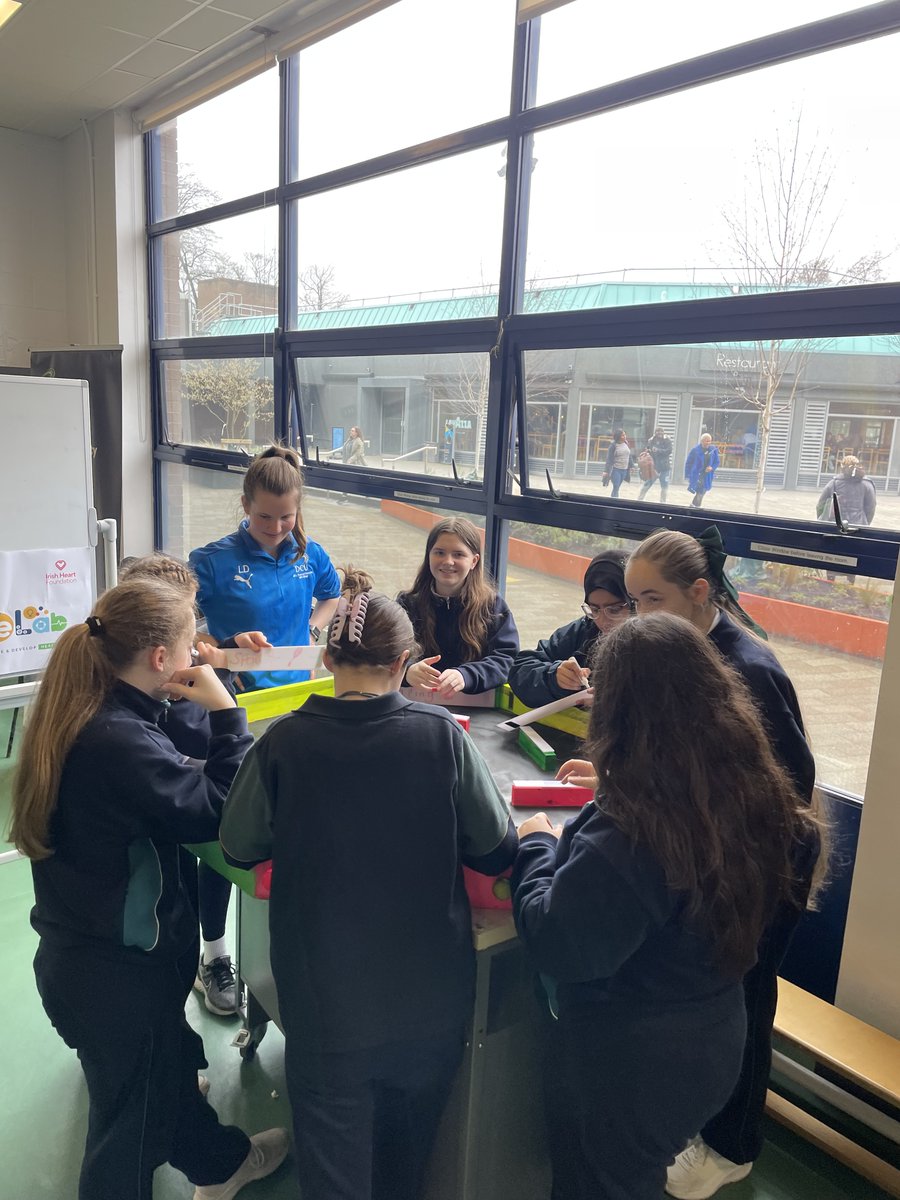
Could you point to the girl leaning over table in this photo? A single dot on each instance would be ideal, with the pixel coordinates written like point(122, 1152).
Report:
point(370, 926)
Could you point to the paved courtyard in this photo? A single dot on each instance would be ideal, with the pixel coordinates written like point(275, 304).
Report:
point(838, 692)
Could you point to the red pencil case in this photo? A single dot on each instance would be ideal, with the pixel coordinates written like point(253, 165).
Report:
point(549, 793)
point(463, 720)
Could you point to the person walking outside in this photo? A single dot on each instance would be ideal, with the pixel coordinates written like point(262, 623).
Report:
point(660, 448)
point(618, 462)
point(856, 497)
point(700, 468)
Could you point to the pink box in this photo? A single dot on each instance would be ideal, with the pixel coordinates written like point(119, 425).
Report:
point(463, 720)
point(488, 891)
point(549, 793)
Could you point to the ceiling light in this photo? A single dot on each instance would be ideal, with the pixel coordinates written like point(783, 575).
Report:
point(8, 8)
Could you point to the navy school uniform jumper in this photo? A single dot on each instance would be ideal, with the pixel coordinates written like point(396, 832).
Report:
point(114, 909)
point(367, 809)
point(187, 726)
point(648, 1041)
point(736, 1131)
point(533, 673)
point(242, 586)
point(484, 673)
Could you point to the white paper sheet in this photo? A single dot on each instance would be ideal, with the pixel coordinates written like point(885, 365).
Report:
point(546, 710)
point(275, 658)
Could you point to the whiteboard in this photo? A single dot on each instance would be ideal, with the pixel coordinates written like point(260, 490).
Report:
point(46, 492)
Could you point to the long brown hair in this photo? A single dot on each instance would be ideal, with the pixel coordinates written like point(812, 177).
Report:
point(137, 615)
point(710, 803)
point(386, 631)
point(277, 470)
point(477, 597)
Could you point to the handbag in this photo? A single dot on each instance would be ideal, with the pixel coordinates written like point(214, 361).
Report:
point(604, 479)
point(646, 466)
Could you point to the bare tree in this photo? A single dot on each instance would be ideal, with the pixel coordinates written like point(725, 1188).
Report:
point(781, 235)
point(317, 289)
point(199, 256)
point(259, 267)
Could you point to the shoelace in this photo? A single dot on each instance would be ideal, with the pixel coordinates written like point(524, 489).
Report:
point(222, 970)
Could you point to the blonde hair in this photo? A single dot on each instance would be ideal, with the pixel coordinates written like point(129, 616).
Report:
point(137, 615)
point(159, 566)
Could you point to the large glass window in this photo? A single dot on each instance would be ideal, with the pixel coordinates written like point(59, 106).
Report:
point(429, 237)
point(195, 173)
point(410, 412)
point(585, 44)
point(225, 403)
point(374, 87)
point(776, 180)
point(220, 279)
point(782, 417)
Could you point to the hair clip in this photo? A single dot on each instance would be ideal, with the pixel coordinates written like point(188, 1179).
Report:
point(351, 613)
point(95, 626)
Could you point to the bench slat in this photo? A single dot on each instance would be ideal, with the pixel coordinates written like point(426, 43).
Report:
point(865, 1055)
point(858, 1159)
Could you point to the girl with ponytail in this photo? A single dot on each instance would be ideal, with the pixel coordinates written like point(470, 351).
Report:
point(268, 574)
point(102, 801)
point(368, 805)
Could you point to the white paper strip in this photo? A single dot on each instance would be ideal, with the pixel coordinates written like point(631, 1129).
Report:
point(458, 700)
point(547, 710)
point(275, 658)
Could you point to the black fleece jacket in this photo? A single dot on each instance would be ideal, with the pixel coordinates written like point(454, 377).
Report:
point(489, 671)
point(117, 881)
point(533, 674)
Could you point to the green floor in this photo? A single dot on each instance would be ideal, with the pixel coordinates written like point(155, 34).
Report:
point(43, 1111)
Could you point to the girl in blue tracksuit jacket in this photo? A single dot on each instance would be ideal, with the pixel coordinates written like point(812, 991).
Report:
point(101, 804)
point(649, 910)
point(268, 574)
point(464, 628)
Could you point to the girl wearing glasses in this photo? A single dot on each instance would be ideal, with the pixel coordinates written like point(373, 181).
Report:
point(558, 666)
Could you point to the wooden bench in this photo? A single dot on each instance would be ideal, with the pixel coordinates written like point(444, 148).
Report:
point(865, 1056)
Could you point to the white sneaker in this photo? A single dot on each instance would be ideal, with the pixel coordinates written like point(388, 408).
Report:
point(267, 1152)
point(698, 1172)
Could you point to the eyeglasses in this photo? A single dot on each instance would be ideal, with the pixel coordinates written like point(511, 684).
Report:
point(612, 611)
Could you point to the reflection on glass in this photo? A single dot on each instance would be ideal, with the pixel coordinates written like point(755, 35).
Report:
point(782, 416)
point(195, 173)
point(415, 412)
point(370, 88)
point(221, 279)
point(227, 403)
point(757, 183)
point(834, 664)
point(418, 245)
point(585, 45)
point(197, 507)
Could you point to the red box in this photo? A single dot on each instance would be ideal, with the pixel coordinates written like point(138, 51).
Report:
point(488, 891)
point(263, 873)
point(463, 720)
point(549, 793)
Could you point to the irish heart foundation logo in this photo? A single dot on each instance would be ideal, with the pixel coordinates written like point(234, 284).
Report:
point(60, 564)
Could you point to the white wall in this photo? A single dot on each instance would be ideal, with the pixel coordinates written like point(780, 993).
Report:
point(869, 980)
point(33, 246)
point(72, 272)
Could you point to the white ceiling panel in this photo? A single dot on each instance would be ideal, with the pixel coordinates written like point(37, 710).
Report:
point(62, 61)
point(156, 59)
point(147, 18)
point(111, 89)
point(205, 28)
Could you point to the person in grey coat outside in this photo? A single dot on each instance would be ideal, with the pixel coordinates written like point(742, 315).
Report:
point(856, 497)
